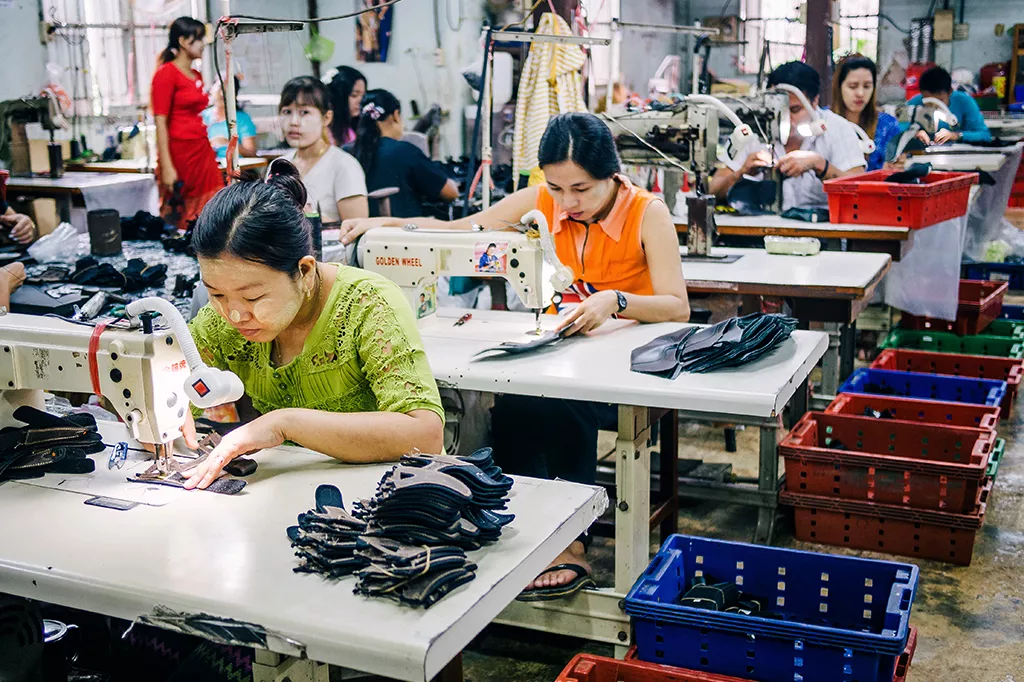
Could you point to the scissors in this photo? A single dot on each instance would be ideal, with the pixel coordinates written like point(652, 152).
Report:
point(118, 455)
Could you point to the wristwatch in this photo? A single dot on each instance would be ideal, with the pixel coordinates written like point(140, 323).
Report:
point(622, 300)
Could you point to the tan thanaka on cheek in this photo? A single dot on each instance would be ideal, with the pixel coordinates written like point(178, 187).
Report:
point(276, 315)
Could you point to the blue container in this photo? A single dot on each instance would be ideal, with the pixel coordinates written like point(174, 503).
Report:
point(844, 618)
point(949, 389)
point(995, 272)
point(1012, 312)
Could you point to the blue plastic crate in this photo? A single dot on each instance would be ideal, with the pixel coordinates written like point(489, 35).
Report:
point(995, 272)
point(845, 619)
point(1012, 312)
point(950, 389)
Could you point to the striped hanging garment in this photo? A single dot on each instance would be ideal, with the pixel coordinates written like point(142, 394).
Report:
point(551, 83)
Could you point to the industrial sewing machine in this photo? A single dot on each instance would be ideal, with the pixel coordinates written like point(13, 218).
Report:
point(45, 111)
point(919, 117)
point(148, 375)
point(414, 258)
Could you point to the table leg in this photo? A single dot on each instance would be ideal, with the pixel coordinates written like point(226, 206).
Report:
point(830, 363)
point(767, 482)
point(64, 208)
point(452, 672)
point(633, 490)
point(847, 349)
point(668, 482)
point(798, 404)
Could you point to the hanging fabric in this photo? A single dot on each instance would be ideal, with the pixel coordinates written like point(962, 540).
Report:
point(551, 83)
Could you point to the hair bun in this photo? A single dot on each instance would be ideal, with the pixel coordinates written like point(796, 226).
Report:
point(284, 175)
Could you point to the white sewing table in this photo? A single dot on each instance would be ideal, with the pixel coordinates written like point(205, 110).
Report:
point(596, 368)
point(228, 556)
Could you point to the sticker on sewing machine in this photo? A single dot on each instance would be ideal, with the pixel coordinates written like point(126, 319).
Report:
point(427, 302)
point(491, 257)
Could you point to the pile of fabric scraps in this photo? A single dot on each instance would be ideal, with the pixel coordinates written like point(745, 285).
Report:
point(730, 343)
point(409, 541)
point(136, 276)
point(48, 444)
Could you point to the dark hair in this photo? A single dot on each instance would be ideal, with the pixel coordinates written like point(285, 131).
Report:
point(259, 221)
point(582, 138)
point(869, 116)
point(935, 79)
point(490, 246)
point(800, 76)
point(182, 27)
point(305, 90)
point(377, 106)
point(340, 87)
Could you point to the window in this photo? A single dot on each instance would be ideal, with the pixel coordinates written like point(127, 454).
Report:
point(604, 59)
point(858, 29)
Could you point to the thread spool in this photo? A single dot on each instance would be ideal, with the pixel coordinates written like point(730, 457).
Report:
point(56, 156)
point(104, 232)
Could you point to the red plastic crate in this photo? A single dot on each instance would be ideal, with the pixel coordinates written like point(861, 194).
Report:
point(917, 533)
point(981, 366)
point(866, 199)
point(980, 304)
point(887, 461)
point(911, 410)
point(899, 674)
point(587, 668)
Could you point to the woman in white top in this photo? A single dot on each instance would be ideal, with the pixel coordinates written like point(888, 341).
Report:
point(333, 178)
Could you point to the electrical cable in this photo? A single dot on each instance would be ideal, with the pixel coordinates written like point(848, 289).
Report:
point(476, 122)
point(448, 15)
point(309, 21)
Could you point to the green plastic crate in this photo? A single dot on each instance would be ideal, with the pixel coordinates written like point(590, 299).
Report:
point(947, 342)
point(994, 458)
point(1011, 328)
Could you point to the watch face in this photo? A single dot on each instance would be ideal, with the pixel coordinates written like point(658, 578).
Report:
point(622, 300)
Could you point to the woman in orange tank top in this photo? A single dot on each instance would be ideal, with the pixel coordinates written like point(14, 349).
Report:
point(621, 244)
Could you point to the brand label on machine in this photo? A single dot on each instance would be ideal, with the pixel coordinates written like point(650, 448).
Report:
point(394, 262)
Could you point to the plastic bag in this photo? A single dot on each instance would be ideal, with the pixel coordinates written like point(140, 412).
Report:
point(927, 281)
point(61, 245)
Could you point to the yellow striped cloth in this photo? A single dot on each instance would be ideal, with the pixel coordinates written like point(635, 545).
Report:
point(551, 83)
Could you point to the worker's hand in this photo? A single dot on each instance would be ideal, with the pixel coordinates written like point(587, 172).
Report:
point(923, 136)
point(11, 277)
point(800, 161)
point(23, 230)
point(754, 162)
point(259, 434)
point(590, 314)
point(354, 228)
point(945, 135)
point(168, 176)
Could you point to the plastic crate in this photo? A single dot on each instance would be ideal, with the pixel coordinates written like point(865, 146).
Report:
point(926, 386)
point(1013, 329)
point(995, 459)
point(1012, 312)
point(979, 304)
point(917, 533)
point(844, 617)
point(906, 658)
point(1011, 273)
point(867, 199)
point(979, 366)
point(887, 461)
point(944, 342)
point(910, 410)
point(587, 668)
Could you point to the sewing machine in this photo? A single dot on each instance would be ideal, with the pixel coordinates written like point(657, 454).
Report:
point(148, 375)
point(414, 258)
point(45, 111)
point(917, 117)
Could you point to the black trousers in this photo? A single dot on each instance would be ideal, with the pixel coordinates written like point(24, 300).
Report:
point(549, 437)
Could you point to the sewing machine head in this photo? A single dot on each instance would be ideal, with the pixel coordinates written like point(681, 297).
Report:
point(414, 259)
point(44, 110)
point(684, 132)
point(766, 112)
point(914, 118)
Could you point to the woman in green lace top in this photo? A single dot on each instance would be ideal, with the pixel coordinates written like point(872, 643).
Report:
point(329, 355)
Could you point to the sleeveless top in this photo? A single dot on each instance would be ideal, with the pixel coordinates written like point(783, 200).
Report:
point(608, 254)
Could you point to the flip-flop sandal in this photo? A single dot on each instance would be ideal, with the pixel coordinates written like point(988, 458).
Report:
point(582, 580)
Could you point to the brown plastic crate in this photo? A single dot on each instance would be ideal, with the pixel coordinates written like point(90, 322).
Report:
point(913, 410)
point(980, 302)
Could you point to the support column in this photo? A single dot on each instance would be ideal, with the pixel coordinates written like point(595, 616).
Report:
point(819, 44)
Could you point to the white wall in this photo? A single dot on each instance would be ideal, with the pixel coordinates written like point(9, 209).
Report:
point(411, 72)
point(24, 61)
point(643, 51)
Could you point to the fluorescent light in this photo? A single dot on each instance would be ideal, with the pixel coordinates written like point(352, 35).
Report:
point(803, 130)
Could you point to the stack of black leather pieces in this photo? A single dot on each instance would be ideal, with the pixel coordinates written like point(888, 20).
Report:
point(409, 541)
point(730, 343)
point(48, 444)
point(136, 276)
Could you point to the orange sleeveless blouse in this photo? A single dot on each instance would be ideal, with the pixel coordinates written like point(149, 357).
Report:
point(608, 254)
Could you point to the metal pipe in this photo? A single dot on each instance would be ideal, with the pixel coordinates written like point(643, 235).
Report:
point(485, 131)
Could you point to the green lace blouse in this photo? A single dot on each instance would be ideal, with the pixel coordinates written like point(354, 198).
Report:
point(364, 354)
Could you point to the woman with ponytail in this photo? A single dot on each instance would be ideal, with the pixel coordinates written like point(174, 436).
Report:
point(186, 163)
point(390, 162)
point(329, 355)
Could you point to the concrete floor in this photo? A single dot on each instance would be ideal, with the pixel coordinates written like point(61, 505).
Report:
point(970, 619)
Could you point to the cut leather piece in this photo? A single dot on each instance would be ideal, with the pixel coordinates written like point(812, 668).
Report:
point(222, 486)
point(807, 215)
point(752, 197)
point(514, 348)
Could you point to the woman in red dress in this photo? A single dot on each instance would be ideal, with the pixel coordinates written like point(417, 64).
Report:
point(186, 163)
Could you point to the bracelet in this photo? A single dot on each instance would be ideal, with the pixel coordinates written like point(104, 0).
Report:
point(824, 171)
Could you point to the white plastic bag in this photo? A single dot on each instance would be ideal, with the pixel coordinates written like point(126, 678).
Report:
point(927, 281)
point(61, 245)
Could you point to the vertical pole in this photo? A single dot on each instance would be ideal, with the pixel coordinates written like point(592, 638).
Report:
point(485, 128)
point(314, 30)
point(819, 44)
point(229, 101)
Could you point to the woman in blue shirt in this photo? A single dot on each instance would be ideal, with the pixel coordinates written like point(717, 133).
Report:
point(936, 82)
point(217, 126)
point(853, 98)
